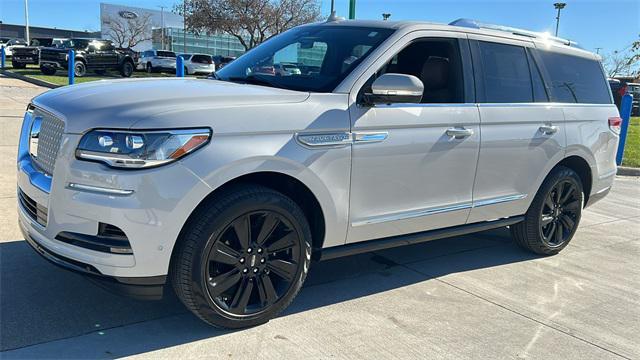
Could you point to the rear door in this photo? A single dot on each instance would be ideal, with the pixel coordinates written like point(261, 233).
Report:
point(523, 134)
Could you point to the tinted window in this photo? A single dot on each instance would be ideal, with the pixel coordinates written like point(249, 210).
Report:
point(436, 62)
point(201, 59)
point(539, 91)
point(506, 72)
point(575, 79)
point(166, 54)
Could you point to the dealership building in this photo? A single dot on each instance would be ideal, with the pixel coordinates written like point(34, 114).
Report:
point(172, 26)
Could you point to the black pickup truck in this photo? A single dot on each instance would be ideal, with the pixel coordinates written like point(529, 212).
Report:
point(30, 55)
point(90, 55)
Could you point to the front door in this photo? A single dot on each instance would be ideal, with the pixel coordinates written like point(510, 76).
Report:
point(413, 165)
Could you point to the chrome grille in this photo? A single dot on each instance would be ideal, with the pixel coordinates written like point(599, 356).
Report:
point(49, 139)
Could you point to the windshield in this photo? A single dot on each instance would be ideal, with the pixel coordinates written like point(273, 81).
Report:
point(315, 58)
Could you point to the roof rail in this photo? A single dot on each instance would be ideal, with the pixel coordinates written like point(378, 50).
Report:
point(474, 24)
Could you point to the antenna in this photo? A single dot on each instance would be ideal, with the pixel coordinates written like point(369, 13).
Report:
point(333, 17)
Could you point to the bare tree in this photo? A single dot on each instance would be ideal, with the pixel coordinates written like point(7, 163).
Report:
point(623, 62)
point(128, 32)
point(249, 21)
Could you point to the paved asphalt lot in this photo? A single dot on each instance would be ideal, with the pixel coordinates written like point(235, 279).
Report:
point(468, 297)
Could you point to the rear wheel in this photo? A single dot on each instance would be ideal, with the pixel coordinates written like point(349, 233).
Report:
point(554, 214)
point(243, 257)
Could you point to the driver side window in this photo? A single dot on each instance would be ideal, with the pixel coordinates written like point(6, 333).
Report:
point(436, 62)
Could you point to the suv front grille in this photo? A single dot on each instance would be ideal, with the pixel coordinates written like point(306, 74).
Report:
point(49, 140)
point(36, 212)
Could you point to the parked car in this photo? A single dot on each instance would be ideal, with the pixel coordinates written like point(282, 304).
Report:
point(12, 44)
point(286, 69)
point(198, 64)
point(634, 90)
point(90, 55)
point(157, 60)
point(228, 189)
point(222, 61)
point(620, 88)
point(30, 55)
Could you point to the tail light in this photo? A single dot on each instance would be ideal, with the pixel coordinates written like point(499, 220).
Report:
point(615, 124)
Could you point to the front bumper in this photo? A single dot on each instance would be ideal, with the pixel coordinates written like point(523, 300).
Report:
point(151, 216)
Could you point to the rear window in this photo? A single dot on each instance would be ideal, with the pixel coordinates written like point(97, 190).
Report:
point(166, 54)
point(575, 79)
point(507, 77)
point(201, 59)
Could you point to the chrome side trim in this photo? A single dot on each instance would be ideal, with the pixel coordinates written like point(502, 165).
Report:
point(326, 139)
point(369, 137)
point(412, 214)
point(498, 200)
point(38, 179)
point(436, 210)
point(98, 189)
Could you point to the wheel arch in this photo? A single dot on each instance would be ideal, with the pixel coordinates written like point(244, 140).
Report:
point(286, 184)
point(583, 169)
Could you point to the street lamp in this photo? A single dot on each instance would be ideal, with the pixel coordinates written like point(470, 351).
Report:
point(386, 16)
point(558, 6)
point(162, 26)
point(26, 21)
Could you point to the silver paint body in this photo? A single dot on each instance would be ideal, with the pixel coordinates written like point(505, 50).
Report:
point(375, 171)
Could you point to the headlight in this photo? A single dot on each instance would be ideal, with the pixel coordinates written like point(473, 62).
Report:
point(140, 149)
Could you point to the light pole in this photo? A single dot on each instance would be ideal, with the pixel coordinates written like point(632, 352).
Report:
point(26, 21)
point(386, 16)
point(184, 25)
point(162, 26)
point(558, 6)
point(352, 9)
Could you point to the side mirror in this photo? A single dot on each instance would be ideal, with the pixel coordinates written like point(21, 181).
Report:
point(395, 88)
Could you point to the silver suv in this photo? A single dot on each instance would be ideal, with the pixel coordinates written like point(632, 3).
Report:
point(392, 133)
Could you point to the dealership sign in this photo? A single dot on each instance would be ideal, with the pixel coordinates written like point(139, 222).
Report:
point(126, 14)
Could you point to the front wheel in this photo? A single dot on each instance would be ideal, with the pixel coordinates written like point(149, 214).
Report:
point(127, 69)
point(47, 70)
point(17, 65)
point(243, 257)
point(79, 69)
point(554, 214)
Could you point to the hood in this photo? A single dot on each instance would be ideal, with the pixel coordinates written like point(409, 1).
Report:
point(122, 103)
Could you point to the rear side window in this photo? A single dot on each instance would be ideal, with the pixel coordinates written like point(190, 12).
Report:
point(507, 77)
point(575, 79)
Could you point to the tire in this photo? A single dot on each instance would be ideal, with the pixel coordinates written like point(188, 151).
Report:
point(46, 70)
point(17, 65)
point(186, 71)
point(554, 215)
point(150, 68)
point(255, 281)
point(126, 70)
point(79, 69)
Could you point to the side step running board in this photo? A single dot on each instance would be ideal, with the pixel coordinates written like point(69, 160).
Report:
point(416, 238)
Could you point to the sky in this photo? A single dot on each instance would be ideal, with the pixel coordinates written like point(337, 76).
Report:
point(607, 24)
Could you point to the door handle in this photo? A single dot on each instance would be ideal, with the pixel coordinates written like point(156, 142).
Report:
point(548, 129)
point(459, 133)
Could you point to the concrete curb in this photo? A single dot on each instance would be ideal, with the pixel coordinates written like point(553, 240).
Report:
point(29, 79)
point(628, 171)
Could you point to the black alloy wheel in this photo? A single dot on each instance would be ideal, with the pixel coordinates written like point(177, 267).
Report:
point(559, 214)
point(242, 257)
point(554, 214)
point(252, 263)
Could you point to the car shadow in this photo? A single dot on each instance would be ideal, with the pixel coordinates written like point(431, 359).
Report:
point(40, 303)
